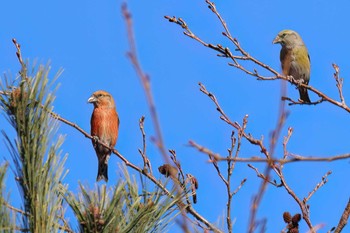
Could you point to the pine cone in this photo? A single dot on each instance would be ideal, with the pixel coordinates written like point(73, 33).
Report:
point(287, 217)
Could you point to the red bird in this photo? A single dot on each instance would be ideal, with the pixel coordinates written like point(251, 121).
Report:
point(104, 127)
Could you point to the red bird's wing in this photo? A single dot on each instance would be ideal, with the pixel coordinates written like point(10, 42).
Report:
point(105, 126)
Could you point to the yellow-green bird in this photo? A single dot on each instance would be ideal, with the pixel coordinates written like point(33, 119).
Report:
point(295, 59)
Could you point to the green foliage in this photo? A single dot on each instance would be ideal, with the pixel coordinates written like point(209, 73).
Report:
point(6, 219)
point(121, 209)
point(35, 153)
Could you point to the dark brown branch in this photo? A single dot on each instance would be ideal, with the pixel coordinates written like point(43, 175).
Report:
point(343, 219)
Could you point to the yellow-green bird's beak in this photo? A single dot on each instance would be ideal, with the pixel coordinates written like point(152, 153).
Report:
point(277, 40)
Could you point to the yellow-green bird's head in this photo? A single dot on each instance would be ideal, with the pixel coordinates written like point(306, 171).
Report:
point(288, 38)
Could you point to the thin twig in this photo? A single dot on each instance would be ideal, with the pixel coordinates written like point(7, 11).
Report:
point(285, 142)
point(216, 166)
point(339, 83)
point(230, 167)
point(239, 187)
point(15, 209)
point(318, 186)
point(23, 71)
point(146, 161)
point(264, 177)
point(257, 159)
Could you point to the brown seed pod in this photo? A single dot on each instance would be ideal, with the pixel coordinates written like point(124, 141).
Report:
point(294, 230)
point(296, 218)
point(287, 217)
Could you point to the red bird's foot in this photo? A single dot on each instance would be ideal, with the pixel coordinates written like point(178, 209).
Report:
point(95, 139)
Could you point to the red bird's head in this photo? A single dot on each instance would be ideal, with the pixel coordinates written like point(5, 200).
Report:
point(102, 99)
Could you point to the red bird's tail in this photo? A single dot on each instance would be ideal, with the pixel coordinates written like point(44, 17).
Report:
point(102, 173)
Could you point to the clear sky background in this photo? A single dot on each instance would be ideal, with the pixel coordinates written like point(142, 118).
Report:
point(88, 40)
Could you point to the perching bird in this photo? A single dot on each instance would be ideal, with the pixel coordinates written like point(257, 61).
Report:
point(104, 127)
point(295, 59)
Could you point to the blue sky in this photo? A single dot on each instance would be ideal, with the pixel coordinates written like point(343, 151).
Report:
point(88, 40)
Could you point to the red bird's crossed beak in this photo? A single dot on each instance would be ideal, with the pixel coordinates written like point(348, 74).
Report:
point(92, 99)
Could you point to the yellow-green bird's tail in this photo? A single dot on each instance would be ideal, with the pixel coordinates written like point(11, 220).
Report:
point(304, 96)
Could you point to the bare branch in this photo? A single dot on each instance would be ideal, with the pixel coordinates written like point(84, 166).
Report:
point(240, 186)
point(23, 71)
point(339, 83)
point(257, 159)
point(318, 186)
point(343, 219)
point(14, 208)
point(264, 177)
point(146, 161)
point(285, 142)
